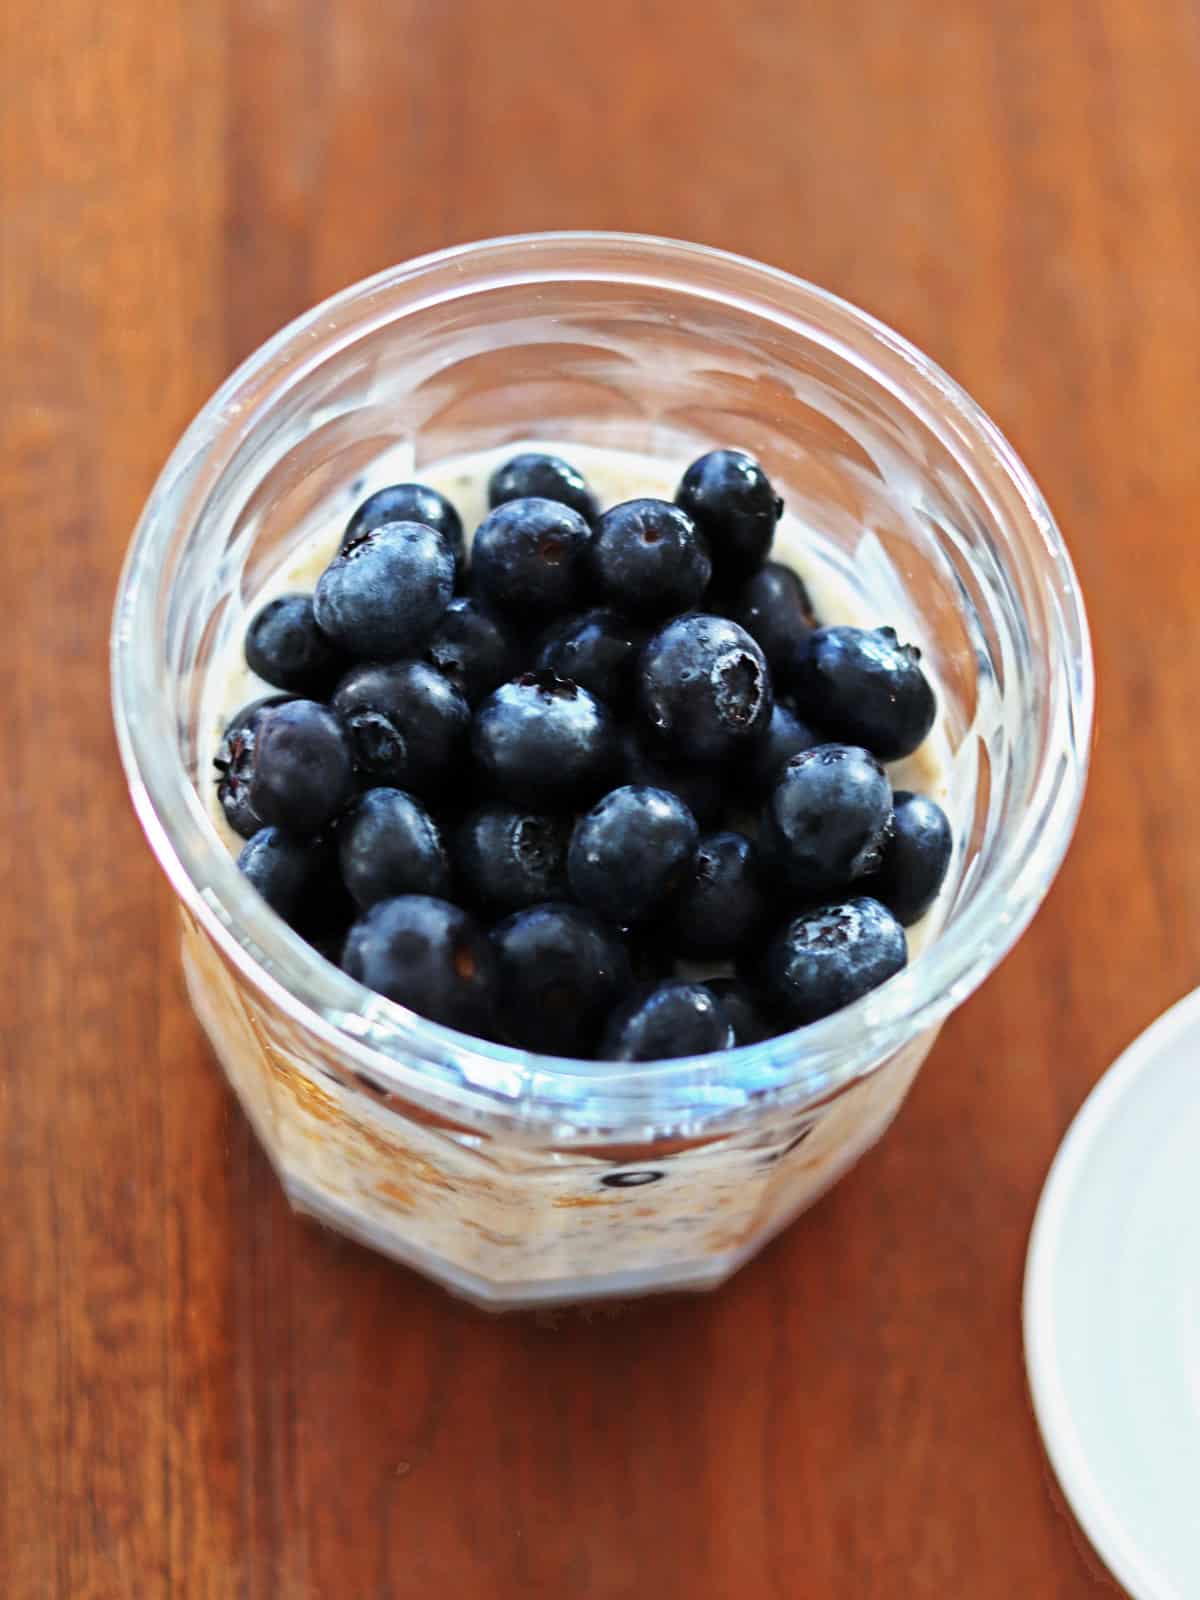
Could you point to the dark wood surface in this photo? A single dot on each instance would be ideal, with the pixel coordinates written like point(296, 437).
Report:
point(204, 1397)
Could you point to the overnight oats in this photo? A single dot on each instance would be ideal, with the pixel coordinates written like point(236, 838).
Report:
point(576, 824)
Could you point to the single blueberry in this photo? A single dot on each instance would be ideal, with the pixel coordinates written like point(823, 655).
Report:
point(630, 853)
point(787, 734)
point(382, 596)
point(825, 959)
point(863, 686)
point(408, 724)
point(647, 558)
point(543, 741)
point(731, 501)
point(703, 790)
point(532, 476)
point(827, 820)
point(285, 646)
point(303, 767)
point(474, 648)
point(705, 688)
point(773, 607)
point(387, 845)
point(915, 858)
point(748, 1014)
point(597, 650)
point(409, 502)
point(527, 559)
point(674, 1019)
point(560, 973)
point(234, 762)
point(427, 954)
point(508, 858)
point(723, 901)
point(287, 871)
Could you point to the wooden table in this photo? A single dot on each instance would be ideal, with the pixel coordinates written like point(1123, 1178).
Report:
point(203, 1396)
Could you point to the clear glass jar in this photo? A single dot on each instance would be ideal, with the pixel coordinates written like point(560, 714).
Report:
point(517, 1179)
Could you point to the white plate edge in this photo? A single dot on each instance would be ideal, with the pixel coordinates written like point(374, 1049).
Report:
point(1084, 1494)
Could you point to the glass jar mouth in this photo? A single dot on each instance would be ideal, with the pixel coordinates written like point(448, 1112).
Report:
point(402, 1052)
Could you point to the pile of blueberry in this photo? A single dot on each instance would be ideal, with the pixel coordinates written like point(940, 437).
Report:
point(530, 794)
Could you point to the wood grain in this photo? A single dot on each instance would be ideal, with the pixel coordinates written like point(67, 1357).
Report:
point(204, 1397)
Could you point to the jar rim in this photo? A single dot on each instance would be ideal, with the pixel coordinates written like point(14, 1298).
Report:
point(381, 1038)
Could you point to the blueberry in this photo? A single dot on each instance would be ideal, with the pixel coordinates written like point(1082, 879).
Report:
point(234, 761)
point(647, 558)
point(825, 959)
point(383, 595)
point(867, 688)
point(827, 820)
point(560, 972)
point(630, 852)
point(675, 1019)
point(747, 1014)
point(527, 559)
point(409, 502)
point(705, 688)
point(785, 737)
point(388, 844)
point(723, 901)
point(597, 650)
point(285, 646)
point(303, 768)
point(773, 607)
point(532, 476)
point(288, 872)
point(425, 953)
point(508, 858)
point(731, 501)
point(543, 741)
point(474, 648)
point(408, 724)
point(915, 859)
point(702, 789)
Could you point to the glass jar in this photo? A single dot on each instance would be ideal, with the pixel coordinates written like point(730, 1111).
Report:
point(512, 1178)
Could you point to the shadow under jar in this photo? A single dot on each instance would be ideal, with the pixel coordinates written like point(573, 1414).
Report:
point(516, 1179)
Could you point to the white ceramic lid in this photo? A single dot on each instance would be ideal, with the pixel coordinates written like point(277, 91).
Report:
point(1112, 1312)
